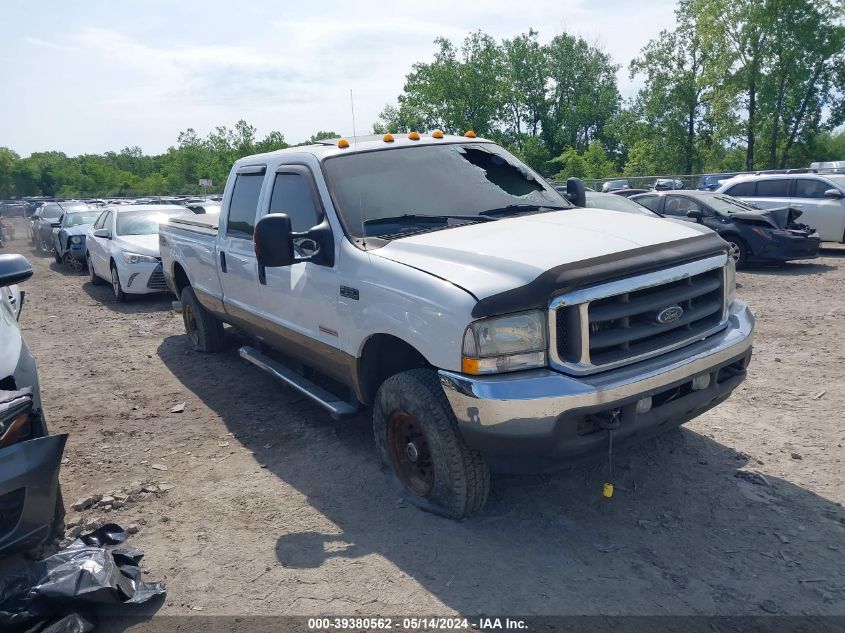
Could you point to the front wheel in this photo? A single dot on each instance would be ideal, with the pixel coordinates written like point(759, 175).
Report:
point(116, 287)
point(204, 330)
point(422, 450)
point(57, 257)
point(738, 250)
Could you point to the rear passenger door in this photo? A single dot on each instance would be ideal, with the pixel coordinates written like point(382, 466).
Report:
point(826, 215)
point(236, 263)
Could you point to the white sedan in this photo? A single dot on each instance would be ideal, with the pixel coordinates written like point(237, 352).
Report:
point(122, 248)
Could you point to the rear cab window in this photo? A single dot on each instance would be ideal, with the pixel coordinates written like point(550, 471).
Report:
point(243, 206)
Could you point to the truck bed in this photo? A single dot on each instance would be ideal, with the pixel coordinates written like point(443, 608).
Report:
point(206, 222)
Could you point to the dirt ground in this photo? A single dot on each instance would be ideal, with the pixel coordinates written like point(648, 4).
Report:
point(276, 509)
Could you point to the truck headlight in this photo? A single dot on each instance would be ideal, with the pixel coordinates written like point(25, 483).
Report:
point(730, 280)
point(135, 258)
point(76, 239)
point(506, 343)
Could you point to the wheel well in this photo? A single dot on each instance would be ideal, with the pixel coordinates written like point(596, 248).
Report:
point(180, 278)
point(384, 356)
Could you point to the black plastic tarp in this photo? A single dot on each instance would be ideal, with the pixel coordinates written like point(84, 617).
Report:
point(61, 593)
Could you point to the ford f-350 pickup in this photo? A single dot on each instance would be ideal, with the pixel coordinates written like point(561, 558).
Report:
point(488, 322)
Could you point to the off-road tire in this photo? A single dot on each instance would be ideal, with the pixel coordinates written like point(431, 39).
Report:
point(204, 330)
point(92, 276)
point(57, 257)
point(461, 476)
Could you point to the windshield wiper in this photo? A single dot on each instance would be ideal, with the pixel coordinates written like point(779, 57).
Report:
point(515, 209)
point(421, 217)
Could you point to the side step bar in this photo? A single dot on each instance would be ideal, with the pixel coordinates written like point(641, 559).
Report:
point(337, 407)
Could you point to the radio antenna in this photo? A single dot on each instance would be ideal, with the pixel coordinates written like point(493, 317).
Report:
point(354, 150)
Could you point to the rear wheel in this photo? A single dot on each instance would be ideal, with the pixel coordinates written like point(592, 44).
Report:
point(116, 287)
point(421, 447)
point(204, 330)
point(92, 276)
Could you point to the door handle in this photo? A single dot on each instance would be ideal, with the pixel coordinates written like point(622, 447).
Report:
point(222, 261)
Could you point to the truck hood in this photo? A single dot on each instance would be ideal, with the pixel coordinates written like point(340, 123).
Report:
point(141, 244)
point(491, 257)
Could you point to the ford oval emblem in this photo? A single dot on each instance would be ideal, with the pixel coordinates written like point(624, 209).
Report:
point(670, 314)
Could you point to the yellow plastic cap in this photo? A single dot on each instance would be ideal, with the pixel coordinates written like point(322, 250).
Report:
point(343, 143)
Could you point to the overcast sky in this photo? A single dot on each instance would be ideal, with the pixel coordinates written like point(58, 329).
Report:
point(114, 74)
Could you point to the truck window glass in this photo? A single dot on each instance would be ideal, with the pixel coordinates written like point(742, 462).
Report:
point(244, 204)
point(292, 195)
point(438, 180)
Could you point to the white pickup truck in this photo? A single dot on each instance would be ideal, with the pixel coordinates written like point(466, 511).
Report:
point(488, 322)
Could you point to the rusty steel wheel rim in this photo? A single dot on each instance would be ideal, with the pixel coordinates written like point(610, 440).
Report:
point(409, 453)
point(191, 324)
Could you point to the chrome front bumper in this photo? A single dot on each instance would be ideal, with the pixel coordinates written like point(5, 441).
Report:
point(538, 412)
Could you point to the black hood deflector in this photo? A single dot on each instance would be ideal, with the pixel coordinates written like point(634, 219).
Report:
point(568, 277)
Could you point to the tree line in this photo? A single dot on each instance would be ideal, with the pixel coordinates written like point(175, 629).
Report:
point(737, 85)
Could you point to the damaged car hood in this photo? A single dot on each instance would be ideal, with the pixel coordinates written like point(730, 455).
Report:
point(492, 257)
point(779, 218)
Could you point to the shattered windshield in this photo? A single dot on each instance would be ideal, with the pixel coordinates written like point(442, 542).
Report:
point(431, 184)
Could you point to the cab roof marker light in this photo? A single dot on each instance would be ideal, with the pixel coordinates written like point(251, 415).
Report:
point(343, 143)
point(388, 138)
point(437, 134)
point(413, 136)
point(470, 134)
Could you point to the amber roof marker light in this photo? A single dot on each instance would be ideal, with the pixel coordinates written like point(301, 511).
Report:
point(343, 143)
point(388, 138)
point(437, 134)
point(413, 136)
point(470, 134)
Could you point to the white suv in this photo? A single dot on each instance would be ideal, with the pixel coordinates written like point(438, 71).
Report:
point(820, 198)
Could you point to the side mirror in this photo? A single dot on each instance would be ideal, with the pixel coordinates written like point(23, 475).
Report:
point(14, 269)
point(835, 194)
point(575, 192)
point(105, 233)
point(273, 240)
point(696, 214)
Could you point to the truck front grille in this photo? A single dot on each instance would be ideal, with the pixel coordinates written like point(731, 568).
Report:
point(156, 280)
point(624, 321)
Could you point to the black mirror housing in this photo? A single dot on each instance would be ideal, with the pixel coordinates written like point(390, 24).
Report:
point(14, 269)
point(576, 193)
point(273, 241)
point(695, 214)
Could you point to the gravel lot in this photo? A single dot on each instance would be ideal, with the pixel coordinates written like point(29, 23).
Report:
point(276, 509)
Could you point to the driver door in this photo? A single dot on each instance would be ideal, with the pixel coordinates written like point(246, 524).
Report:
point(98, 247)
point(299, 302)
